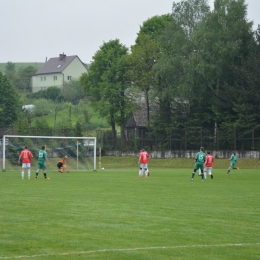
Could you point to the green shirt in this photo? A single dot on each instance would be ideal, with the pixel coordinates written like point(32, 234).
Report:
point(233, 158)
point(42, 156)
point(200, 157)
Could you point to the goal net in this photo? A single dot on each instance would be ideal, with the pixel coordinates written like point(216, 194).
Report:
point(81, 151)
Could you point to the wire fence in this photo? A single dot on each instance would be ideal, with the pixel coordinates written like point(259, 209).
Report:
point(182, 139)
point(238, 139)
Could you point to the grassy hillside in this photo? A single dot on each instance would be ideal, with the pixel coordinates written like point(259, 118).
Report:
point(19, 65)
point(95, 120)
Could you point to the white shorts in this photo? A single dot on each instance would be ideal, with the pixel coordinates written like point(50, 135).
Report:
point(144, 166)
point(208, 170)
point(26, 165)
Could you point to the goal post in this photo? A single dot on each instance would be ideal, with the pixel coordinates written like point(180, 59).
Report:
point(81, 151)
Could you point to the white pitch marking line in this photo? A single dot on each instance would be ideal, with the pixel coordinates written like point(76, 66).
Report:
point(126, 249)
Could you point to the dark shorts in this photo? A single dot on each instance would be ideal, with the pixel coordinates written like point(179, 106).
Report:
point(59, 164)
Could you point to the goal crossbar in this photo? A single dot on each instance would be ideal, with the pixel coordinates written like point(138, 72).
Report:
point(5, 138)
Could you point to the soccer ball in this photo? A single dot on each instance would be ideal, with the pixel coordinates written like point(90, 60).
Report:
point(103, 169)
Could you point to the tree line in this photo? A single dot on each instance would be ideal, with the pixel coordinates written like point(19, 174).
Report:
point(191, 68)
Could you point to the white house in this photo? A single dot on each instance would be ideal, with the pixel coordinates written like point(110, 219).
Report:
point(57, 71)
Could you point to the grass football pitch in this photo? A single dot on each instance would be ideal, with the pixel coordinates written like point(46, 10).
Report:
point(112, 214)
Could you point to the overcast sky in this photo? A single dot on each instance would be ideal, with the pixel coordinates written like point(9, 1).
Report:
point(32, 30)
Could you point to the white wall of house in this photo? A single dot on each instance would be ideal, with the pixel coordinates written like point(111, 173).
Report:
point(74, 70)
point(42, 82)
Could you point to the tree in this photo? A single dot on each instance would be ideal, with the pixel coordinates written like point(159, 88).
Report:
point(143, 57)
point(189, 13)
point(174, 78)
point(40, 127)
point(10, 67)
point(57, 107)
point(145, 53)
point(154, 27)
point(42, 107)
point(224, 42)
point(53, 94)
point(25, 75)
point(78, 129)
point(106, 83)
point(82, 114)
point(171, 91)
point(191, 97)
point(72, 91)
point(64, 127)
point(21, 124)
point(11, 74)
point(9, 102)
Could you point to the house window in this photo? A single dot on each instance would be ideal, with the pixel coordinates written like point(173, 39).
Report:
point(69, 77)
point(44, 78)
point(54, 77)
point(41, 78)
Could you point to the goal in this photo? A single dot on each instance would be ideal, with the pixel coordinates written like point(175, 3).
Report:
point(81, 151)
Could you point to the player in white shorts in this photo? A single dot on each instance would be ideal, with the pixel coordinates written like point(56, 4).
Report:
point(26, 156)
point(208, 165)
point(143, 161)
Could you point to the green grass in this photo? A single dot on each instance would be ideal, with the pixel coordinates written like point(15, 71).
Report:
point(132, 161)
point(112, 214)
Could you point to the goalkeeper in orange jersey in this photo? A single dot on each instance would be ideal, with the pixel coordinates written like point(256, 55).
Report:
point(62, 164)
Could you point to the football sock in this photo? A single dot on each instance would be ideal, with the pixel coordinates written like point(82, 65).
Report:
point(37, 174)
point(29, 173)
point(45, 175)
point(22, 174)
point(193, 174)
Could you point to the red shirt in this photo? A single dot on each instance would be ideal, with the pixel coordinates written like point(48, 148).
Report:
point(209, 160)
point(144, 157)
point(26, 155)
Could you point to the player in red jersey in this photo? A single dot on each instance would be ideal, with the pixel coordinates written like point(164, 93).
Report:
point(143, 161)
point(208, 165)
point(26, 156)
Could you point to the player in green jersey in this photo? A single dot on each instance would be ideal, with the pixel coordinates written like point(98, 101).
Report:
point(233, 160)
point(200, 159)
point(42, 160)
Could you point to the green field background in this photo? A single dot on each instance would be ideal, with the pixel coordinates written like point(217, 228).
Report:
point(115, 162)
point(132, 161)
point(113, 214)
